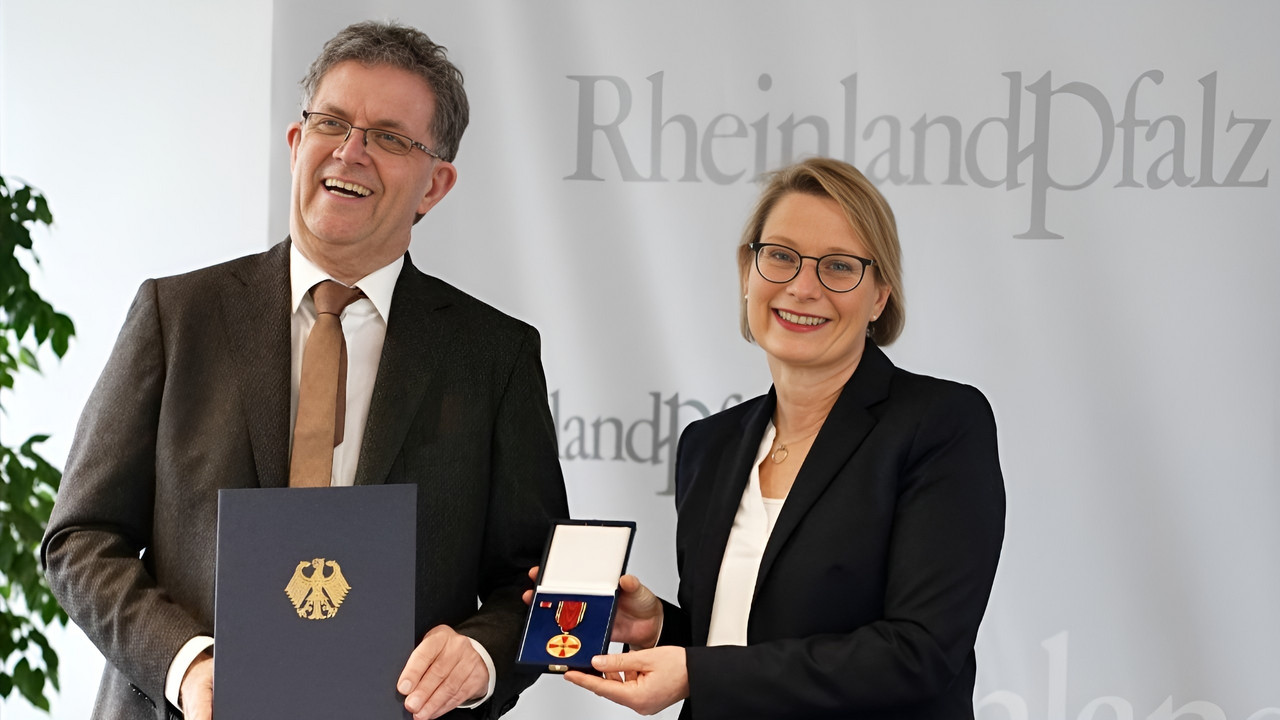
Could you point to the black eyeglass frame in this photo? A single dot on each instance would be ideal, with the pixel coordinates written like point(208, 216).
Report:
point(306, 114)
point(756, 247)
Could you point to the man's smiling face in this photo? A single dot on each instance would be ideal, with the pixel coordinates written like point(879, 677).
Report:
point(353, 205)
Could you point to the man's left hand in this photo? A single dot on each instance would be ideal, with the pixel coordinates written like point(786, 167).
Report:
point(443, 672)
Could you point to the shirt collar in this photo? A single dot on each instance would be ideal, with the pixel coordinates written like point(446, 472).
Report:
point(378, 285)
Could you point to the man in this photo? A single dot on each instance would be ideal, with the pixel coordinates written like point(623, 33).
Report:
point(202, 388)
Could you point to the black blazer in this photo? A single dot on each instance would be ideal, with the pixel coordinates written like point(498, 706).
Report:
point(195, 398)
point(878, 570)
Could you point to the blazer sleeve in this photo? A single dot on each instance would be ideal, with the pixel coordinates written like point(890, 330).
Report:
point(95, 547)
point(675, 626)
point(947, 529)
point(526, 494)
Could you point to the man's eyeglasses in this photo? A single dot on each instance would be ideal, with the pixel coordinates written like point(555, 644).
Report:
point(335, 127)
point(837, 272)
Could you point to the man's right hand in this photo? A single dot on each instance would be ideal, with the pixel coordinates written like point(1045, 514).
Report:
point(196, 696)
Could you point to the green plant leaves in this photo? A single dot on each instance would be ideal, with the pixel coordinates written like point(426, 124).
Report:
point(28, 482)
point(30, 682)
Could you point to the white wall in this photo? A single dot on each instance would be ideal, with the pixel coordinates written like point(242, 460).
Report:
point(147, 126)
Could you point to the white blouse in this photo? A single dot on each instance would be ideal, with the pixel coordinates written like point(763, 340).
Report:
point(752, 525)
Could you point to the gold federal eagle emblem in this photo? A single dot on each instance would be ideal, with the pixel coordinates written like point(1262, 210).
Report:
point(317, 596)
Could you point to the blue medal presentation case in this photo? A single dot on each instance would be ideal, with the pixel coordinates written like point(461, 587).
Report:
point(581, 564)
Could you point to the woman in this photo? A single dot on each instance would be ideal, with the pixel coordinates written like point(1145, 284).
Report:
point(837, 538)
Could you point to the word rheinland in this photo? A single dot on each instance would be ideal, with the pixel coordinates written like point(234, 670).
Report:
point(649, 439)
point(719, 148)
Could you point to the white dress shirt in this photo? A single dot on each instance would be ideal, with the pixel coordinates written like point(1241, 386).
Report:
point(736, 586)
point(364, 325)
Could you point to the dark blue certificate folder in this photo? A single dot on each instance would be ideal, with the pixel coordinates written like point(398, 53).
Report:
point(315, 601)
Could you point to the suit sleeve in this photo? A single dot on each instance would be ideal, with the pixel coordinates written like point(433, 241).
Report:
point(95, 547)
point(943, 548)
point(526, 494)
point(675, 626)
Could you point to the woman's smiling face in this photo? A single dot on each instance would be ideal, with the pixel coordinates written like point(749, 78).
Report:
point(801, 323)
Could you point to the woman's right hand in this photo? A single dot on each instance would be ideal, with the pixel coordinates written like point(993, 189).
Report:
point(638, 620)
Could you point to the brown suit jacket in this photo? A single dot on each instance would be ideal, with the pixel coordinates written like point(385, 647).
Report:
point(195, 398)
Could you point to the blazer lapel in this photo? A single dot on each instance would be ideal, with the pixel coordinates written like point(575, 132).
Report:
point(842, 433)
point(726, 494)
point(411, 356)
point(254, 304)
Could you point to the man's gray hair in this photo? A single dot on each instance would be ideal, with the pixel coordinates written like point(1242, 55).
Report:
point(389, 43)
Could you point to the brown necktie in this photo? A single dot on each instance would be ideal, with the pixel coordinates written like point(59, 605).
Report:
point(322, 391)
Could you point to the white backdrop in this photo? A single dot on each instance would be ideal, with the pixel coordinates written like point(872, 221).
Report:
point(1086, 201)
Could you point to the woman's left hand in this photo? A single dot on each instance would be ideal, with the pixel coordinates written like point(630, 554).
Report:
point(647, 681)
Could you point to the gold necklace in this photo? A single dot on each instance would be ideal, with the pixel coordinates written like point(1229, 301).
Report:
point(780, 453)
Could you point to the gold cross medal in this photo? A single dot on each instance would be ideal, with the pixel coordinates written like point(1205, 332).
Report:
point(568, 614)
